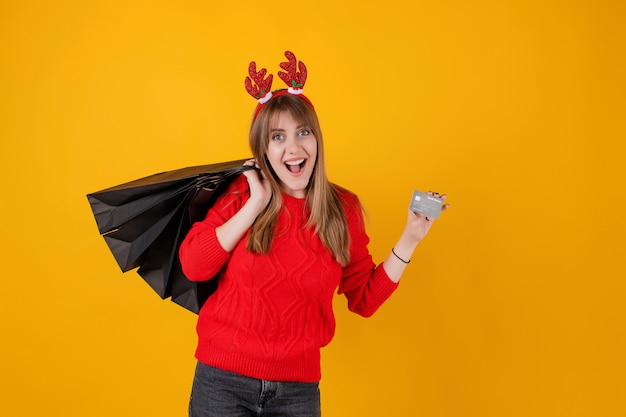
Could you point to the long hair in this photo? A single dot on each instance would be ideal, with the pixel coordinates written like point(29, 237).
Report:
point(326, 213)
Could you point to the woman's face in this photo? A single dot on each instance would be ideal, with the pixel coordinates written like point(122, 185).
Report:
point(292, 152)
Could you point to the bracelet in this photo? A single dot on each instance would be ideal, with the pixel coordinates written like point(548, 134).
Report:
point(396, 255)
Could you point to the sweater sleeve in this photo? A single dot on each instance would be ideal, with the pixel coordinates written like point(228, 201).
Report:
point(365, 285)
point(201, 254)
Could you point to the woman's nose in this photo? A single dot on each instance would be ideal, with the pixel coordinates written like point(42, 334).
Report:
point(292, 145)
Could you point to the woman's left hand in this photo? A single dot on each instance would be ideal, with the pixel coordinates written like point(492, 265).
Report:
point(418, 225)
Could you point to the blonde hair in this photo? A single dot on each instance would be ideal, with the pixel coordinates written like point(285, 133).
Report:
point(326, 212)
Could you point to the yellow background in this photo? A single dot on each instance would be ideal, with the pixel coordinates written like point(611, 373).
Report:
point(513, 306)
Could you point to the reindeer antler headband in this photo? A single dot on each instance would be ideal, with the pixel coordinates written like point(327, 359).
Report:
point(260, 87)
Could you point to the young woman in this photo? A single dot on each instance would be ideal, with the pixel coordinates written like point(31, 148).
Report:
point(281, 240)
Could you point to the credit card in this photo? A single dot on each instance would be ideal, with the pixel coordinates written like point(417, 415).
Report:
point(426, 204)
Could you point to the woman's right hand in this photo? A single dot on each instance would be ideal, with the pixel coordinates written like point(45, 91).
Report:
point(231, 232)
point(260, 188)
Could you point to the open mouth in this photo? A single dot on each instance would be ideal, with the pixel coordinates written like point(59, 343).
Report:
point(295, 166)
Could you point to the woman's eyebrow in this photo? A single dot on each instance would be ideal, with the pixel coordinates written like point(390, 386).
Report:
point(278, 129)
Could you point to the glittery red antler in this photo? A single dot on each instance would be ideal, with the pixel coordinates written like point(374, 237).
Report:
point(262, 90)
point(295, 80)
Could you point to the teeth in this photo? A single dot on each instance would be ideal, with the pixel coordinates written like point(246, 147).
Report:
point(298, 162)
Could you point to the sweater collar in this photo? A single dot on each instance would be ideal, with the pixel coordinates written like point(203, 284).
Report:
point(293, 201)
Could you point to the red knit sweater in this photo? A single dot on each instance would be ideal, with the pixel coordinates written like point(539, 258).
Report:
point(272, 313)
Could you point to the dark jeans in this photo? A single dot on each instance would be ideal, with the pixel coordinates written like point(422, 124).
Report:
point(217, 393)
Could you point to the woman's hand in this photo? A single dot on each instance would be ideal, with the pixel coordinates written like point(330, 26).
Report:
point(418, 225)
point(229, 233)
point(416, 229)
point(260, 189)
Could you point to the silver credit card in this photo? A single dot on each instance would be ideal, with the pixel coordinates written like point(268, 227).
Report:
point(426, 204)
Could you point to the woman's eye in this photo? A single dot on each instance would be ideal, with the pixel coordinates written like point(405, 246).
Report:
point(305, 133)
point(277, 137)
